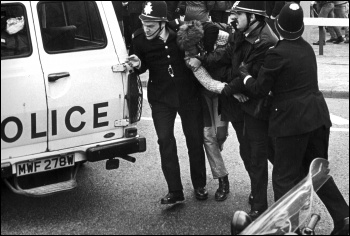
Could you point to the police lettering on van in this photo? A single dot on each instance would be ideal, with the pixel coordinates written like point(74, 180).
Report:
point(98, 114)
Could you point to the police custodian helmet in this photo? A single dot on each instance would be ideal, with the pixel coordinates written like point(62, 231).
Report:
point(154, 11)
point(290, 21)
point(253, 7)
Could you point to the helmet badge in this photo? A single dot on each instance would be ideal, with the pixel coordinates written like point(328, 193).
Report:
point(294, 6)
point(148, 8)
point(235, 4)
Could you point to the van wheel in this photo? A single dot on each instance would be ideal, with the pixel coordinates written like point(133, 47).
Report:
point(4, 188)
point(82, 163)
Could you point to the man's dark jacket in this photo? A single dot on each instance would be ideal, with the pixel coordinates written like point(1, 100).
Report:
point(156, 56)
point(251, 50)
point(290, 72)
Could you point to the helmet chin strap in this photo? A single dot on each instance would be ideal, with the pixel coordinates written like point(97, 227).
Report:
point(250, 23)
point(158, 30)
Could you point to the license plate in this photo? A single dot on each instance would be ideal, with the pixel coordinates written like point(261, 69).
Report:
point(42, 165)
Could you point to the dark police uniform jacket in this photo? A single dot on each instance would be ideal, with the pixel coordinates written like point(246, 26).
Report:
point(251, 50)
point(170, 81)
point(290, 72)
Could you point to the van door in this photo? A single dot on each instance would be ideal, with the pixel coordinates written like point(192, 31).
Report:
point(85, 97)
point(23, 96)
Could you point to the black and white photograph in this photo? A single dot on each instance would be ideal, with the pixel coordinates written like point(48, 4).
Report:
point(175, 118)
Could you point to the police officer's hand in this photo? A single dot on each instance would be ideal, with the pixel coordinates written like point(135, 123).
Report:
point(194, 63)
point(243, 70)
point(133, 61)
point(241, 97)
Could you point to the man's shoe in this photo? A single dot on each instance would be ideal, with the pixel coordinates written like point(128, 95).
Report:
point(341, 228)
point(173, 197)
point(223, 190)
point(331, 40)
point(318, 43)
point(251, 199)
point(201, 193)
point(254, 214)
point(346, 41)
point(339, 40)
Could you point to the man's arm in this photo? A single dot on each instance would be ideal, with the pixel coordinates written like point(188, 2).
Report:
point(269, 72)
point(253, 67)
point(137, 59)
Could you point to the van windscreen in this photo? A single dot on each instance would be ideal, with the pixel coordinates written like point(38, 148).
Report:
point(71, 26)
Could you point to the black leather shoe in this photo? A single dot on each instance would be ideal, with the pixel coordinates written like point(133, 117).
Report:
point(318, 43)
point(250, 199)
point(339, 40)
point(331, 40)
point(201, 193)
point(254, 214)
point(173, 197)
point(341, 228)
point(223, 190)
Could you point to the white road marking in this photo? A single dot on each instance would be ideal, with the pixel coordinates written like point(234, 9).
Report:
point(340, 129)
point(337, 120)
point(146, 118)
point(177, 120)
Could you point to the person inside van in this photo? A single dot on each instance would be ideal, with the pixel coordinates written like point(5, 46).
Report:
point(13, 40)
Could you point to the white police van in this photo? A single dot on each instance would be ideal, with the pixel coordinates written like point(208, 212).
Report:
point(66, 96)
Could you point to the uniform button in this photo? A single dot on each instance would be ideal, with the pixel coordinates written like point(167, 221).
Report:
point(276, 109)
point(168, 56)
point(166, 47)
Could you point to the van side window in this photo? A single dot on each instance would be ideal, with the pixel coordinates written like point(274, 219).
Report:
point(15, 39)
point(71, 26)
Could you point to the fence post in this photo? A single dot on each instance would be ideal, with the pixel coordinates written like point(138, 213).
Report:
point(322, 39)
point(306, 9)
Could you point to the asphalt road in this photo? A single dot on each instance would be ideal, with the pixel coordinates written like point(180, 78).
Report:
point(127, 200)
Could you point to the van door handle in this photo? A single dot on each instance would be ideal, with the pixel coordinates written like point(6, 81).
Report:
point(57, 76)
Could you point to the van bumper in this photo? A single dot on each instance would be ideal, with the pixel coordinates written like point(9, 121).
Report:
point(6, 170)
point(114, 150)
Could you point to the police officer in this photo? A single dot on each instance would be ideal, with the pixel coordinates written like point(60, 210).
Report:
point(299, 122)
point(172, 89)
point(252, 39)
point(255, 37)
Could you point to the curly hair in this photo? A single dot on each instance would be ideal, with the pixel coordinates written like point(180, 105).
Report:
point(189, 35)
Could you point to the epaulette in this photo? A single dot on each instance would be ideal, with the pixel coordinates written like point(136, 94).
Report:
point(257, 40)
point(275, 46)
point(137, 33)
point(175, 24)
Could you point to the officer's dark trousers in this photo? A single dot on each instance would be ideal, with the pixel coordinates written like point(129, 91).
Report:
point(192, 125)
point(293, 156)
point(244, 147)
point(257, 133)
